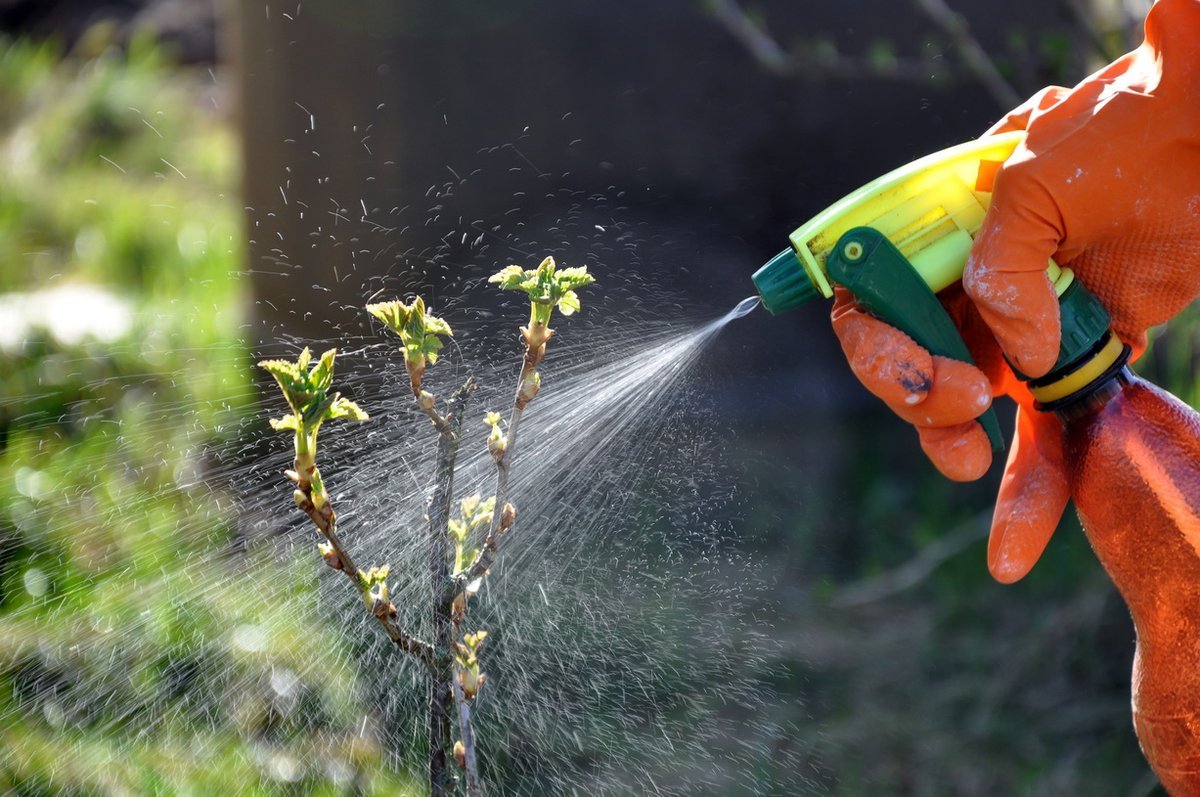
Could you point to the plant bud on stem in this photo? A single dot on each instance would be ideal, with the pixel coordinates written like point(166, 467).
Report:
point(530, 384)
point(330, 556)
point(497, 444)
point(384, 610)
point(536, 336)
point(507, 517)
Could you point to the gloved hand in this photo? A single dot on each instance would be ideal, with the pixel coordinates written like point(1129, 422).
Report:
point(1107, 182)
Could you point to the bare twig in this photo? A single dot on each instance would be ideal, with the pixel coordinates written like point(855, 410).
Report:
point(441, 699)
point(503, 517)
point(753, 37)
point(325, 520)
point(467, 734)
point(440, 423)
point(777, 60)
point(974, 57)
point(504, 514)
point(915, 570)
point(1088, 25)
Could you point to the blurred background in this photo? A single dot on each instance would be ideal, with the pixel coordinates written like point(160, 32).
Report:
point(189, 185)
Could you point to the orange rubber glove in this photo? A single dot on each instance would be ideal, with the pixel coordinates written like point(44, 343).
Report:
point(1106, 182)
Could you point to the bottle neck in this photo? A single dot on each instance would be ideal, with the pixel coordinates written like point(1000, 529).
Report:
point(1092, 400)
point(1088, 383)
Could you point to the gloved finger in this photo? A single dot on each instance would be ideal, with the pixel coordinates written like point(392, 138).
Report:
point(1033, 495)
point(1005, 272)
point(1018, 118)
point(962, 452)
point(958, 392)
point(889, 363)
point(923, 389)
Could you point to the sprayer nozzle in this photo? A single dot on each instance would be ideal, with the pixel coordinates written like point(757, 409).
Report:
point(783, 283)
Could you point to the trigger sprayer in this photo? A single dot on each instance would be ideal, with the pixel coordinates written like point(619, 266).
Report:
point(900, 239)
point(1131, 450)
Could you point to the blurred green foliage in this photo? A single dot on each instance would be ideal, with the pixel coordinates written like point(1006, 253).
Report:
point(137, 654)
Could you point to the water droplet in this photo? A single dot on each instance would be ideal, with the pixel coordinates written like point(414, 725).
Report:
point(36, 582)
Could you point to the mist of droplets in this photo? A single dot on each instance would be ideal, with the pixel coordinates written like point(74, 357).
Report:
point(625, 653)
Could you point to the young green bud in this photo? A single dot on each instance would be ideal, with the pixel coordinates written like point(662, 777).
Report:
point(497, 444)
point(329, 555)
point(529, 388)
point(460, 754)
point(472, 681)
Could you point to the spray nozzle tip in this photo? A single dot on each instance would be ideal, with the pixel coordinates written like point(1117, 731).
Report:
point(745, 307)
point(783, 283)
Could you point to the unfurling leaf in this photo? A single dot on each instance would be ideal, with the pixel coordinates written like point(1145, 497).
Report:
point(509, 277)
point(285, 423)
point(307, 394)
point(569, 303)
point(546, 286)
point(418, 331)
point(345, 408)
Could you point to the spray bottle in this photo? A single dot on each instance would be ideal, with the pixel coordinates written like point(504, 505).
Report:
point(1132, 450)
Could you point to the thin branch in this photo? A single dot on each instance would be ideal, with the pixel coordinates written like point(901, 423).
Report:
point(974, 57)
point(777, 60)
point(439, 422)
point(757, 41)
point(326, 522)
point(441, 699)
point(467, 734)
point(1091, 32)
point(915, 570)
point(503, 514)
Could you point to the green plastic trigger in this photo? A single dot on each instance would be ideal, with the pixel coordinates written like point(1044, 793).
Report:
point(887, 286)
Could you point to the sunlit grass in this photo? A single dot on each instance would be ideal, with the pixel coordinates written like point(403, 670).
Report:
point(144, 646)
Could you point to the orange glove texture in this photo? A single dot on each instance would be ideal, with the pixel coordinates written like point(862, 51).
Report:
point(1106, 182)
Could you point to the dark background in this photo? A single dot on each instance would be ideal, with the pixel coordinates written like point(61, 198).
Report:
point(406, 146)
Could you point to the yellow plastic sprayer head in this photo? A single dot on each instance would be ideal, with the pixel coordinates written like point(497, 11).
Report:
point(929, 210)
point(899, 240)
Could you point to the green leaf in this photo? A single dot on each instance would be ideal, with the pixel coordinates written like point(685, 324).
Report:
point(307, 393)
point(322, 373)
point(577, 277)
point(469, 504)
point(509, 277)
point(569, 303)
point(546, 286)
point(437, 326)
point(345, 408)
point(393, 314)
point(418, 330)
point(285, 423)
